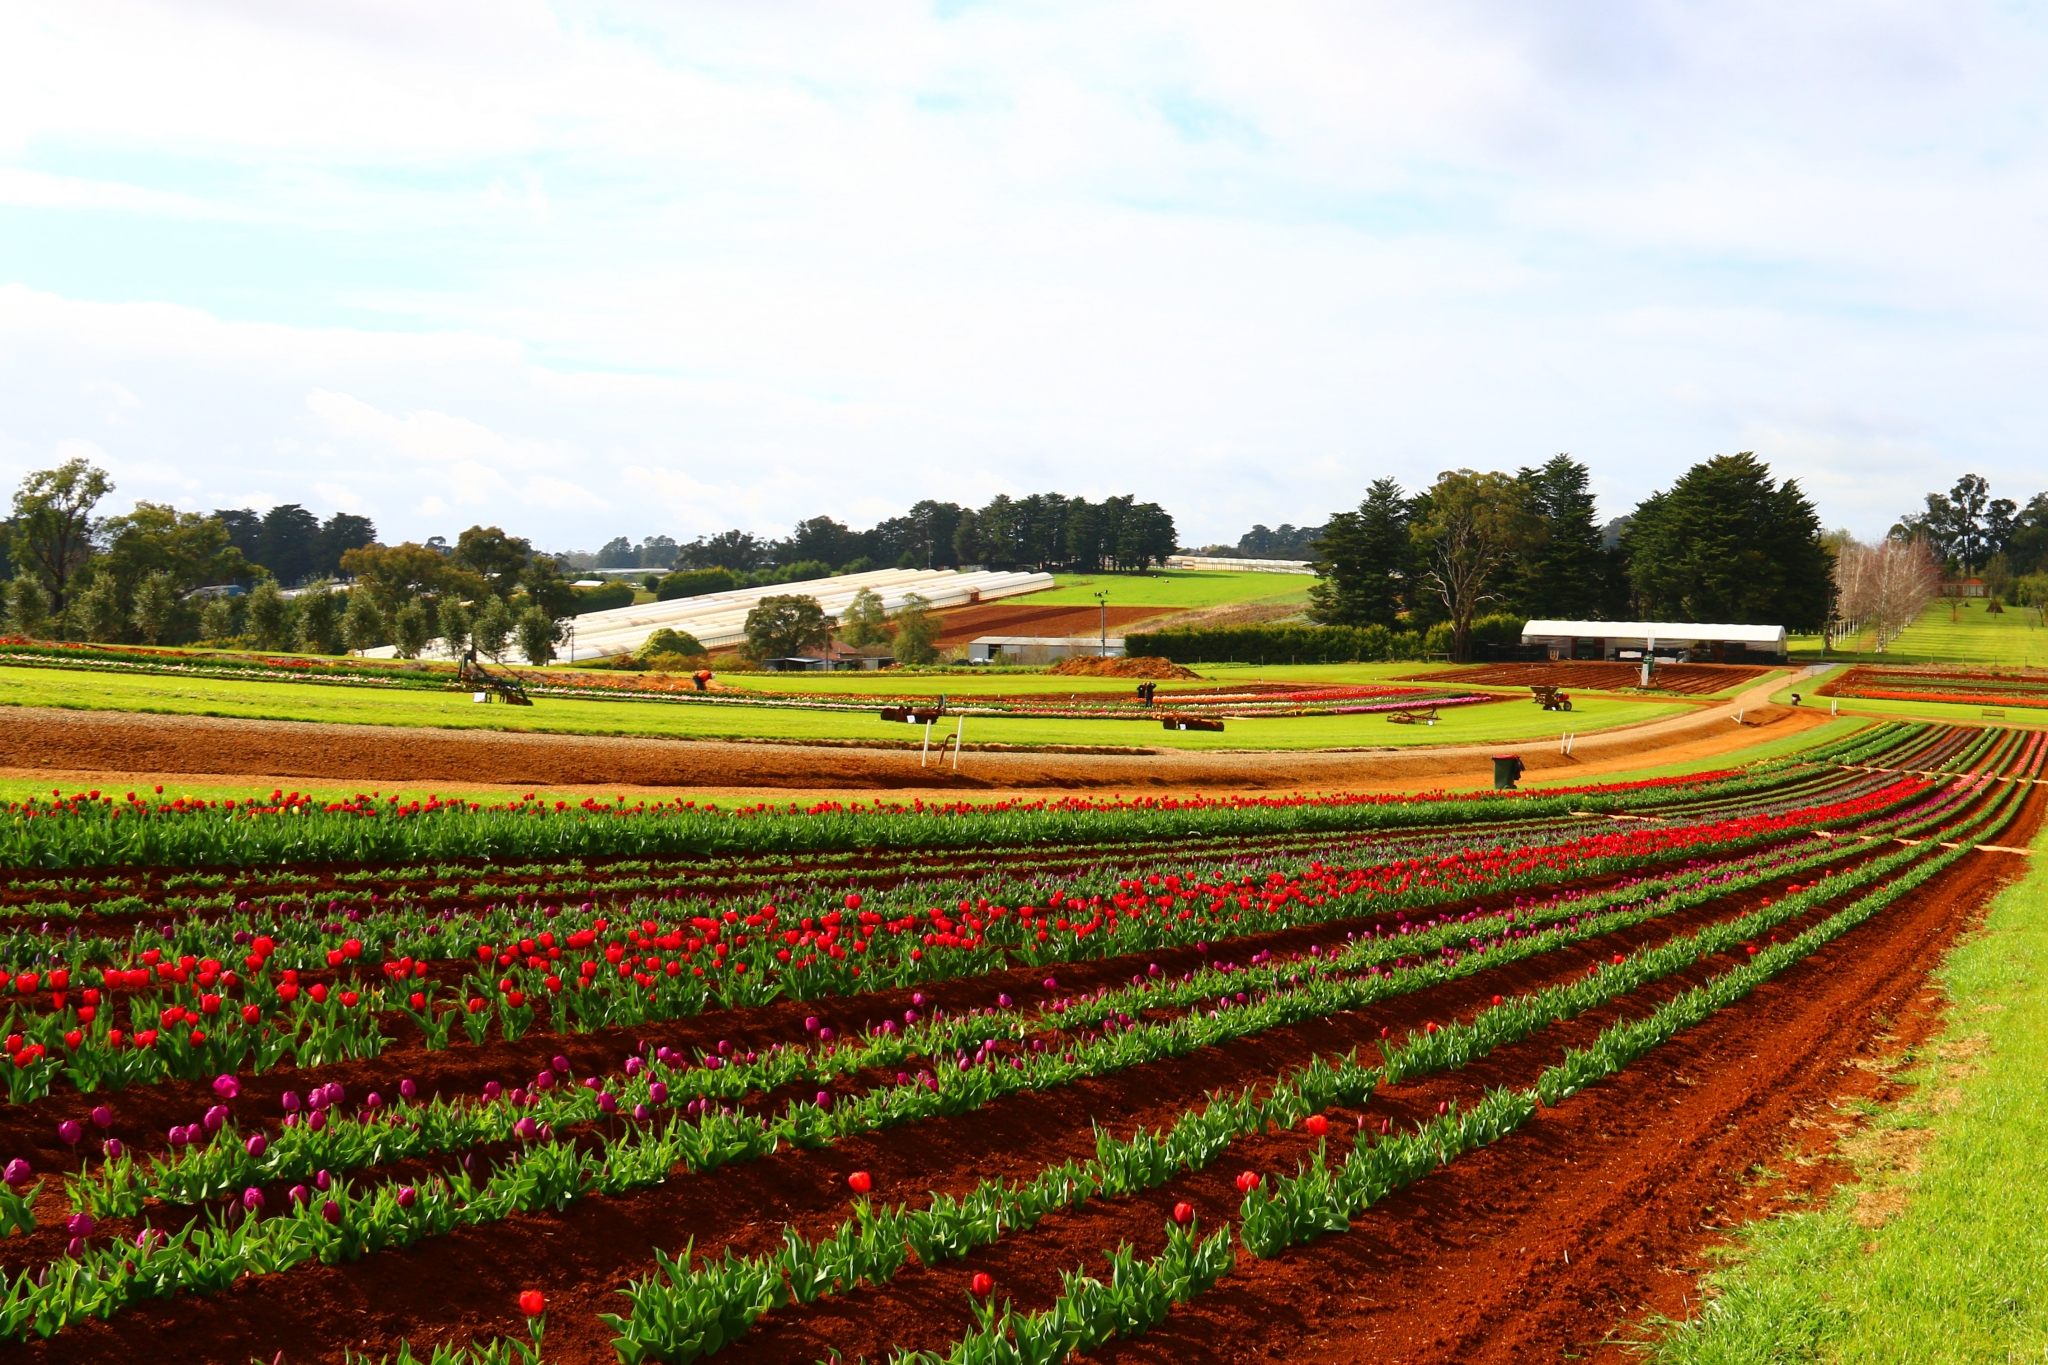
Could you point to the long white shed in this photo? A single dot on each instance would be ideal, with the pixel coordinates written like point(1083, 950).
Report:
point(1700, 642)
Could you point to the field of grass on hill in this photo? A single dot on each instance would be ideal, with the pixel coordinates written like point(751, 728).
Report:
point(1952, 631)
point(1180, 589)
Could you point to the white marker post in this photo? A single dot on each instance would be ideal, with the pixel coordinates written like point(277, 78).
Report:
point(958, 734)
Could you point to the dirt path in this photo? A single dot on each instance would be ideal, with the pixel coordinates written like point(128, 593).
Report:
point(119, 750)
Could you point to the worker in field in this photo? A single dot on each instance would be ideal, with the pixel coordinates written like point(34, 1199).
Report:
point(1145, 691)
point(702, 677)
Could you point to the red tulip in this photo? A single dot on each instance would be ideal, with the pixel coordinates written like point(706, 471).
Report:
point(532, 1303)
point(983, 1284)
point(1317, 1125)
point(1247, 1182)
point(1496, 1000)
point(860, 1182)
point(1183, 1213)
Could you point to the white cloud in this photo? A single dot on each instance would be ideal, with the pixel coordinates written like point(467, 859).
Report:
point(709, 264)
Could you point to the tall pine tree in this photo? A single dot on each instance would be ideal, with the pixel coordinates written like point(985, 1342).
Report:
point(1563, 576)
point(1729, 544)
point(1364, 561)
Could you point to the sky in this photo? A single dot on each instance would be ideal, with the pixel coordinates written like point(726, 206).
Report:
point(585, 270)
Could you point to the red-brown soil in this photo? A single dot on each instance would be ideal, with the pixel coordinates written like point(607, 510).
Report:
point(116, 750)
point(1695, 679)
point(1088, 666)
point(960, 625)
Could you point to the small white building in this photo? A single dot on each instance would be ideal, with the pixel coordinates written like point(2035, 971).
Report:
point(1040, 649)
point(1665, 641)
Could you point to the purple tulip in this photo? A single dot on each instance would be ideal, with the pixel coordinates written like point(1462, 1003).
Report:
point(215, 1117)
point(917, 999)
point(658, 1092)
point(227, 1087)
point(290, 1101)
point(372, 1100)
point(103, 1117)
point(331, 1211)
point(725, 1047)
point(492, 1090)
point(810, 1023)
point(114, 1149)
point(299, 1195)
point(825, 1100)
point(407, 1089)
point(642, 1113)
point(544, 1081)
point(75, 1248)
point(825, 1035)
point(322, 1181)
point(910, 1016)
point(1004, 1000)
point(407, 1196)
point(79, 1225)
point(608, 1104)
point(712, 1063)
point(318, 1121)
point(256, 1145)
point(526, 1130)
point(561, 1064)
point(17, 1173)
point(634, 1066)
point(1051, 984)
point(252, 1199)
point(70, 1131)
point(149, 1239)
point(177, 1136)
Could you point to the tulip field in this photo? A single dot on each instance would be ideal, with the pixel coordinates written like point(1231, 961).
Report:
point(903, 1082)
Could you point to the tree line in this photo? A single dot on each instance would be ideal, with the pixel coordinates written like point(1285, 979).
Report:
point(1976, 535)
point(156, 575)
point(1725, 543)
point(1041, 531)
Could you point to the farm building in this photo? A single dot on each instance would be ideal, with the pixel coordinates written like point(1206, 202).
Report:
point(1040, 649)
point(1665, 641)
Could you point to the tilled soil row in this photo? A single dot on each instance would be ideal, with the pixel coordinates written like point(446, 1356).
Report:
point(925, 1308)
point(582, 1255)
point(1534, 1248)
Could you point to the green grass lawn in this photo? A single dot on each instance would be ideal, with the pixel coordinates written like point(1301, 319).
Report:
point(1184, 589)
point(1506, 721)
point(1957, 1274)
point(1957, 632)
point(889, 682)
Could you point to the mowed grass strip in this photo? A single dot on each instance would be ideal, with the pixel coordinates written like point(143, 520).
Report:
point(1953, 631)
point(1941, 1251)
point(1186, 589)
point(1484, 723)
